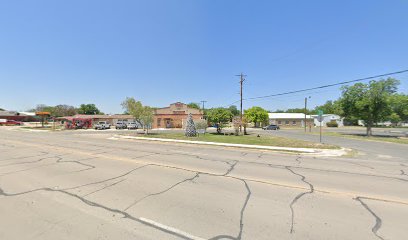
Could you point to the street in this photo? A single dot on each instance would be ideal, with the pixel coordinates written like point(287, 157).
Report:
point(90, 185)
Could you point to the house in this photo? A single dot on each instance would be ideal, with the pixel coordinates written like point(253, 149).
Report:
point(292, 120)
point(174, 116)
point(328, 118)
point(18, 116)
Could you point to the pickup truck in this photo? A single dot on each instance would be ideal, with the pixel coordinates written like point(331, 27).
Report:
point(102, 125)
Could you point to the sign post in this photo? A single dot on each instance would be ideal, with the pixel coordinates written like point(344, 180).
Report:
point(320, 119)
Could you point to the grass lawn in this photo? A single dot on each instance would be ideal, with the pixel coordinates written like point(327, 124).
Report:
point(400, 140)
point(247, 139)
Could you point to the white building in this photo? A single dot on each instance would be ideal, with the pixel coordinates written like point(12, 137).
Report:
point(329, 118)
point(289, 119)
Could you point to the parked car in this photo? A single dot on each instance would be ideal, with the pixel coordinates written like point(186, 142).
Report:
point(11, 123)
point(121, 125)
point(132, 125)
point(102, 125)
point(271, 127)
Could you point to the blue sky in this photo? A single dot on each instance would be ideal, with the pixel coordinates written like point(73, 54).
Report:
point(162, 51)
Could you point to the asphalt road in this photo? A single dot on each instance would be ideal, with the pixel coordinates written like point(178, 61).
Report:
point(367, 149)
point(66, 185)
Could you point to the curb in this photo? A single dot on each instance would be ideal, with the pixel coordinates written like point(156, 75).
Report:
point(323, 152)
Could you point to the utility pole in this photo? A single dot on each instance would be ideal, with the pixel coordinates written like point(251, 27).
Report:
point(305, 112)
point(241, 81)
point(203, 101)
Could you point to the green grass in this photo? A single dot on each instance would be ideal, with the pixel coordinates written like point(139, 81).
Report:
point(400, 140)
point(247, 139)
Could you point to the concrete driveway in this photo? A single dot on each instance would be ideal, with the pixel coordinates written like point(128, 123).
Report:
point(65, 185)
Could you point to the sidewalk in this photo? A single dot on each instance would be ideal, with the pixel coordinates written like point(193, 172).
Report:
point(313, 151)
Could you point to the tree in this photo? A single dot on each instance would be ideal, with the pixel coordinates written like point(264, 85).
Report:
point(89, 109)
point(399, 107)
point(142, 114)
point(333, 107)
point(256, 115)
point(63, 110)
point(219, 116)
point(146, 118)
point(234, 110)
point(132, 107)
point(42, 108)
point(193, 105)
point(1, 109)
point(190, 127)
point(368, 102)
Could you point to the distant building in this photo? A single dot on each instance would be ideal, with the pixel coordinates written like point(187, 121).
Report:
point(18, 116)
point(329, 118)
point(111, 119)
point(174, 116)
point(290, 119)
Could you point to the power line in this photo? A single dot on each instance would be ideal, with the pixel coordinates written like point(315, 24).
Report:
point(323, 86)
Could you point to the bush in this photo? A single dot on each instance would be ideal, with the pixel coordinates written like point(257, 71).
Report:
point(332, 124)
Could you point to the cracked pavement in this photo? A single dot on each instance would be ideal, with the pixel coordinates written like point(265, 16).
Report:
point(83, 185)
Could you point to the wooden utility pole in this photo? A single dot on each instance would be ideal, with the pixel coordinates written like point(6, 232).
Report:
point(203, 101)
point(305, 111)
point(241, 81)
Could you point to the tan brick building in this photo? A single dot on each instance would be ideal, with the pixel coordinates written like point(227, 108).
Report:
point(174, 116)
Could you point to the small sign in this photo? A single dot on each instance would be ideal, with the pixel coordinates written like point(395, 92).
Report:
point(320, 118)
point(320, 112)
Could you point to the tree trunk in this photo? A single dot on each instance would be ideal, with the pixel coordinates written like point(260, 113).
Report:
point(369, 131)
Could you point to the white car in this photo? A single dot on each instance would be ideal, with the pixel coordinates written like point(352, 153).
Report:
point(131, 125)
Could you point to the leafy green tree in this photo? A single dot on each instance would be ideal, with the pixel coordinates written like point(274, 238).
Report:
point(146, 118)
point(333, 107)
point(89, 109)
point(369, 102)
point(234, 110)
point(219, 116)
point(193, 105)
point(133, 107)
point(399, 107)
point(142, 114)
point(256, 115)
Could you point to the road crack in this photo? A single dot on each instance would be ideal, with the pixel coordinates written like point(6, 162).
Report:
point(378, 221)
point(232, 166)
point(97, 205)
point(303, 178)
point(161, 192)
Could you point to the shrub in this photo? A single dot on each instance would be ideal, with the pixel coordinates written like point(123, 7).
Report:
point(332, 124)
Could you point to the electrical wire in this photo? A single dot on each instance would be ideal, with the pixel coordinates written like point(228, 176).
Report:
point(320, 87)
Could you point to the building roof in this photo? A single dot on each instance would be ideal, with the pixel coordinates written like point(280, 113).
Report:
point(100, 116)
point(9, 113)
point(287, 115)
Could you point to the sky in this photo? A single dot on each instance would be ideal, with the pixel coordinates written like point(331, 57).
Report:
point(164, 51)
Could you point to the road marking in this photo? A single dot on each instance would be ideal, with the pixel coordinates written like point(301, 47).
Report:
point(171, 229)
